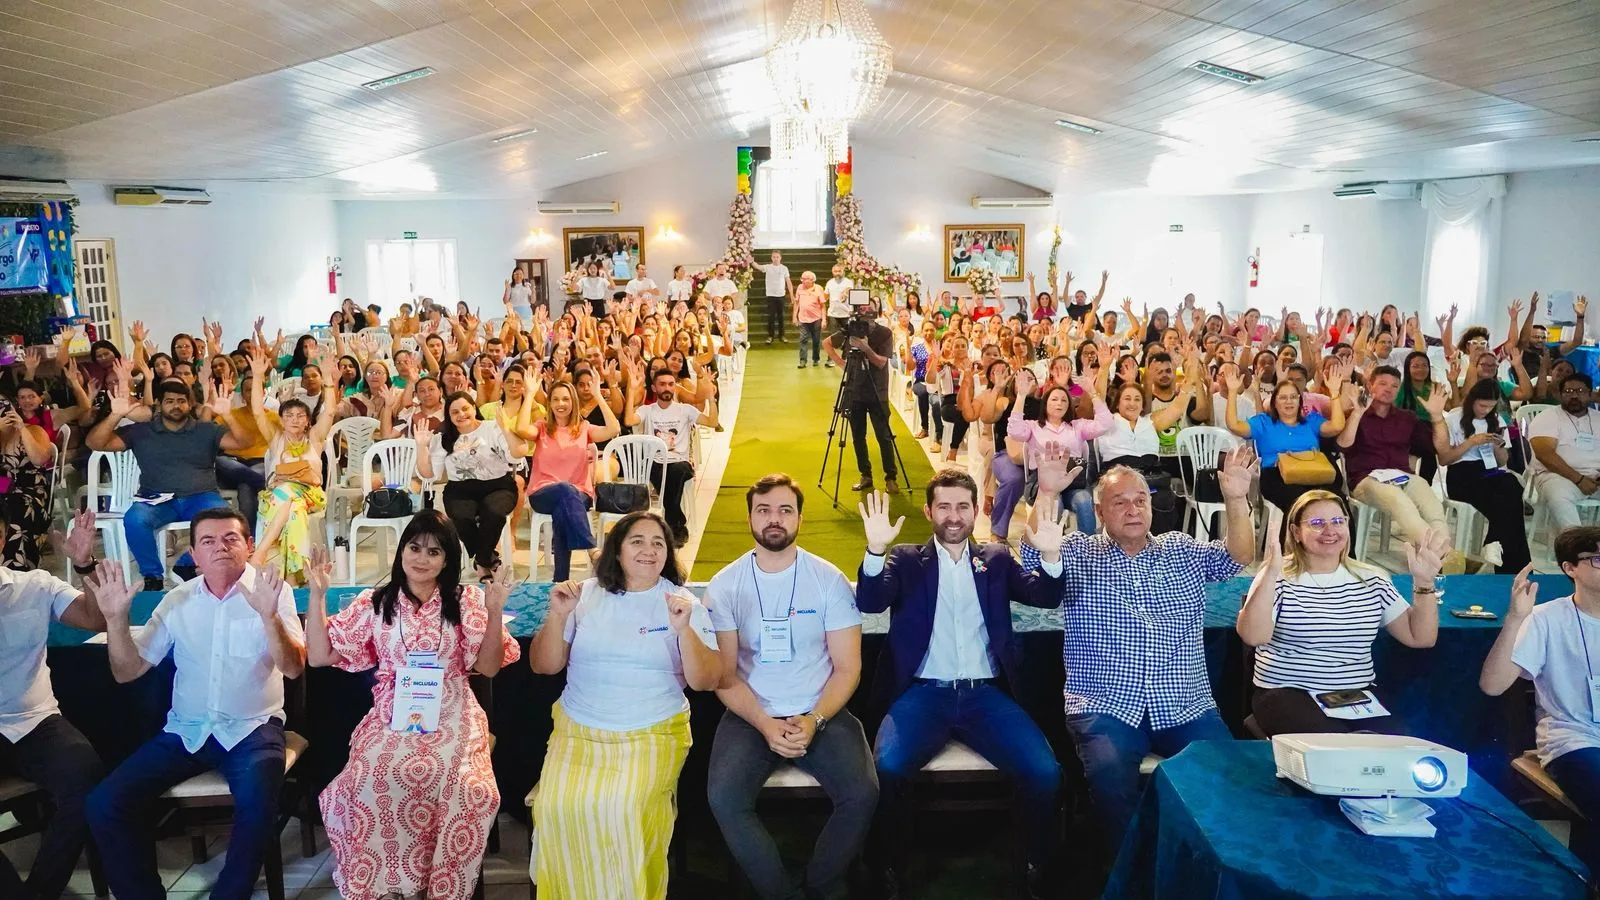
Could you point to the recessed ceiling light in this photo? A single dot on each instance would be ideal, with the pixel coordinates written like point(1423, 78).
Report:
point(402, 78)
point(1225, 72)
point(1077, 126)
point(592, 155)
point(514, 135)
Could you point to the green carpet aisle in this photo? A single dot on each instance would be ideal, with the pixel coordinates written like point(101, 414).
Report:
point(782, 427)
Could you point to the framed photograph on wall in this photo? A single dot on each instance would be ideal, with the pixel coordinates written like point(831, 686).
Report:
point(617, 251)
point(998, 247)
point(534, 271)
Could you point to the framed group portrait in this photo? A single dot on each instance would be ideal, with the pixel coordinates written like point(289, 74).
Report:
point(996, 247)
point(618, 251)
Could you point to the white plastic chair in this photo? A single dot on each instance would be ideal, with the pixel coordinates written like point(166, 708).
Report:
point(358, 433)
point(396, 460)
point(1201, 445)
point(634, 453)
point(121, 481)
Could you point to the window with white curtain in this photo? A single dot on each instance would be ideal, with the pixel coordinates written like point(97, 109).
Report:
point(1454, 267)
point(401, 271)
point(791, 204)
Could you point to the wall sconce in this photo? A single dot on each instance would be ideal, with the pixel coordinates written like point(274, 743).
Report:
point(539, 237)
point(920, 233)
point(668, 233)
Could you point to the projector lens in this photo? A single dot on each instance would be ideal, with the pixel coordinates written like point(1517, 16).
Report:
point(1429, 773)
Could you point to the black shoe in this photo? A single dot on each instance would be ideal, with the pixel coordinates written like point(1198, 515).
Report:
point(187, 573)
point(680, 537)
point(865, 484)
point(154, 583)
point(891, 486)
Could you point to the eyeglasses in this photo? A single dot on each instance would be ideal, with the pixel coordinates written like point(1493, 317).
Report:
point(1320, 524)
point(1591, 560)
point(1574, 390)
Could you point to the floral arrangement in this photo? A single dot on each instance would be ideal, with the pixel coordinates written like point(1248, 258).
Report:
point(740, 257)
point(569, 281)
point(861, 267)
point(1050, 270)
point(982, 280)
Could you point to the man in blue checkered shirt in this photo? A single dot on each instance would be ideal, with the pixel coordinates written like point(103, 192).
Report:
point(1134, 611)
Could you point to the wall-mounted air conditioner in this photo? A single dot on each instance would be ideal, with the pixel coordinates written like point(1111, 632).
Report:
point(21, 190)
point(1383, 190)
point(580, 208)
point(146, 195)
point(1044, 202)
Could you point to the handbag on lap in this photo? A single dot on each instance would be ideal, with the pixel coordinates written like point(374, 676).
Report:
point(1305, 467)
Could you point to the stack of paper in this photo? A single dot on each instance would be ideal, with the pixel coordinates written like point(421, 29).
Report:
point(1389, 817)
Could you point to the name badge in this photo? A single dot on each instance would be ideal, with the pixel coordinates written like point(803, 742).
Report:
point(777, 641)
point(1594, 698)
point(418, 694)
point(1585, 441)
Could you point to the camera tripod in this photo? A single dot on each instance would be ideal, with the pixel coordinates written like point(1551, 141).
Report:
point(855, 367)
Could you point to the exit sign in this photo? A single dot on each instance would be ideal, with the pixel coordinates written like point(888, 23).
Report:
point(1169, 228)
point(410, 235)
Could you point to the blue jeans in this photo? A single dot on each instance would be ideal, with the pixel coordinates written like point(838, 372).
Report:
point(926, 717)
point(1082, 503)
point(1111, 752)
point(140, 522)
point(811, 335)
point(120, 809)
point(245, 476)
point(1578, 774)
point(568, 509)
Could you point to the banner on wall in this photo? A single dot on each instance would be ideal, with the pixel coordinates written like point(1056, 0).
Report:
point(24, 264)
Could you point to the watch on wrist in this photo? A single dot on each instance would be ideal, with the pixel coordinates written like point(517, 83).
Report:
point(87, 568)
point(820, 719)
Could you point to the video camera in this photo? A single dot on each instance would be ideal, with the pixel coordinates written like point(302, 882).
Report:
point(859, 325)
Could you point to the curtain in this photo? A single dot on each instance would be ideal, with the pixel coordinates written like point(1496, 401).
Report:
point(1461, 252)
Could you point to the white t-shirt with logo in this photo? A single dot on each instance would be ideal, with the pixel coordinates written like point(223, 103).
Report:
point(839, 297)
point(674, 425)
point(624, 666)
point(814, 595)
point(1550, 651)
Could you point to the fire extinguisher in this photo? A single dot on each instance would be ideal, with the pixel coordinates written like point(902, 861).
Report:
point(333, 274)
point(1255, 269)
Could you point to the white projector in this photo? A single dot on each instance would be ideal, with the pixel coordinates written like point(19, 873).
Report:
point(1369, 765)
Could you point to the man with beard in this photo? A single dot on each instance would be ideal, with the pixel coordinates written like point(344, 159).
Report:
point(674, 423)
point(951, 654)
point(1566, 451)
point(1164, 392)
point(790, 641)
point(177, 457)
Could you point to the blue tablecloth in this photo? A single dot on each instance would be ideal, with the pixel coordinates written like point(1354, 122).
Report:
point(1217, 823)
point(1586, 361)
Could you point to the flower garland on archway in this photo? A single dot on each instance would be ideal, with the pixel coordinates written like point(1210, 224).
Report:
point(862, 268)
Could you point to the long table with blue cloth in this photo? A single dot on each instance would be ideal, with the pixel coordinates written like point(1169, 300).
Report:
point(1435, 689)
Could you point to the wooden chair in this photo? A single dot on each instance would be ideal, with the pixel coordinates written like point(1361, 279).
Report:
point(29, 804)
point(1557, 804)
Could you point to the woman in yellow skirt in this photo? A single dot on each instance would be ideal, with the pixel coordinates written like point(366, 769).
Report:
point(631, 639)
point(294, 472)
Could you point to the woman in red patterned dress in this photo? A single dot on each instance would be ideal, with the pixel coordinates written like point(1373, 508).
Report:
point(411, 810)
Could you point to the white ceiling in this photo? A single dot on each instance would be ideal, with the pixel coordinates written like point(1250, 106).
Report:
point(179, 91)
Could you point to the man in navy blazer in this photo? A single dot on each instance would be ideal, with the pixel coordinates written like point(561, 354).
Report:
point(950, 643)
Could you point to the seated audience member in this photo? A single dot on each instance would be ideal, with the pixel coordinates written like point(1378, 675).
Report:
point(177, 456)
point(1288, 442)
point(1473, 445)
point(950, 646)
point(1058, 426)
point(1377, 444)
point(234, 635)
point(421, 833)
point(25, 457)
point(1135, 669)
point(791, 659)
point(476, 457)
point(1134, 438)
point(1193, 401)
point(293, 466)
point(1550, 645)
point(674, 423)
point(1566, 451)
point(630, 639)
point(1313, 617)
point(561, 482)
point(37, 744)
point(240, 469)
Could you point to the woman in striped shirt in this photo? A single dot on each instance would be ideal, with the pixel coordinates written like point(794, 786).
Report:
point(1313, 617)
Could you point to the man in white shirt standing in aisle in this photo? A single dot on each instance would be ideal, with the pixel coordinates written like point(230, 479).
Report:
point(36, 743)
point(951, 656)
point(642, 286)
point(1566, 451)
point(838, 289)
point(674, 424)
point(719, 285)
point(790, 640)
point(779, 288)
point(234, 634)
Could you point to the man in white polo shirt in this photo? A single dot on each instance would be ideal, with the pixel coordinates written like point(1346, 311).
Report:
point(234, 634)
point(790, 640)
point(838, 289)
point(36, 743)
point(779, 288)
point(719, 285)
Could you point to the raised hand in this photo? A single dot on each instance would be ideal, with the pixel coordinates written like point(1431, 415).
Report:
point(1434, 403)
point(220, 403)
point(263, 596)
point(1234, 380)
point(120, 404)
point(874, 510)
point(564, 597)
point(1580, 305)
point(678, 608)
point(137, 331)
point(112, 592)
point(1051, 531)
point(1239, 469)
point(497, 590)
point(1523, 594)
point(1272, 562)
point(319, 572)
point(1425, 556)
point(421, 433)
point(77, 546)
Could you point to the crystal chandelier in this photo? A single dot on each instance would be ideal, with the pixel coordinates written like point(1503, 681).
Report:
point(828, 67)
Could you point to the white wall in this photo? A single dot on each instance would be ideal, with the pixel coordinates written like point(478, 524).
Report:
point(252, 252)
point(1551, 235)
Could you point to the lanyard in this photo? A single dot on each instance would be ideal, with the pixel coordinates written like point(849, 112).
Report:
point(761, 604)
point(1573, 421)
point(1579, 618)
